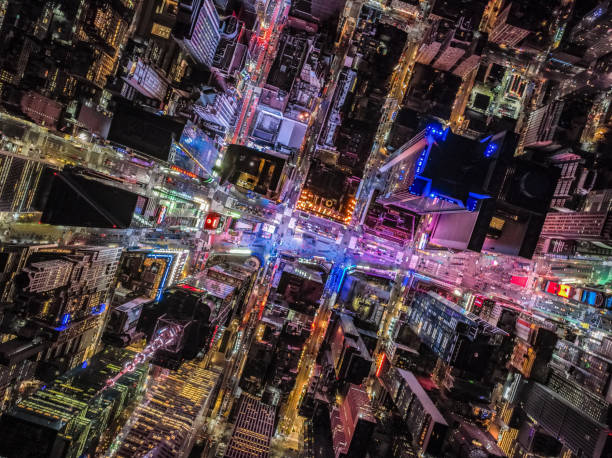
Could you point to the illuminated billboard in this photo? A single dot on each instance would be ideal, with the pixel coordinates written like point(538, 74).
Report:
point(564, 291)
point(589, 296)
point(519, 280)
point(552, 287)
point(195, 152)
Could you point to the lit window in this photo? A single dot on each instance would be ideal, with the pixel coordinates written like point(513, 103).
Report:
point(497, 223)
point(160, 30)
point(159, 8)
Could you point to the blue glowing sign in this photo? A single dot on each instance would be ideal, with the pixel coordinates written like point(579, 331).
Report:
point(64, 322)
point(420, 186)
point(437, 131)
point(597, 13)
point(84, 365)
point(491, 149)
point(195, 152)
point(589, 297)
point(98, 310)
point(162, 283)
point(338, 286)
point(421, 162)
point(472, 204)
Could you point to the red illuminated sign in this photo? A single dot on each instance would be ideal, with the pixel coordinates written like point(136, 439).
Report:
point(212, 340)
point(162, 214)
point(552, 287)
point(190, 288)
point(478, 301)
point(380, 366)
point(520, 281)
point(212, 221)
point(183, 171)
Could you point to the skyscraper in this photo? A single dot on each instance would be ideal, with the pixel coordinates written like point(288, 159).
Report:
point(571, 426)
point(352, 424)
point(62, 295)
point(592, 32)
point(523, 23)
point(179, 402)
point(253, 429)
point(424, 421)
point(149, 272)
point(542, 124)
point(197, 29)
point(451, 44)
point(533, 349)
point(69, 416)
point(578, 225)
point(217, 108)
point(465, 340)
point(352, 360)
point(78, 197)
point(19, 178)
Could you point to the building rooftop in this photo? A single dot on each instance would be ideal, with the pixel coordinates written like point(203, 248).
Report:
point(253, 429)
point(475, 319)
point(417, 389)
point(213, 287)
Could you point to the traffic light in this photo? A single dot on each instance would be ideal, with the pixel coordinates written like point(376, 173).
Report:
point(212, 221)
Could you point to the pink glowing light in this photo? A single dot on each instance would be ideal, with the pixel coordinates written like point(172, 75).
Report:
point(164, 339)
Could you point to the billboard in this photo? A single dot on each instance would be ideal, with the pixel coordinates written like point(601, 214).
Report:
point(564, 291)
point(552, 287)
point(519, 280)
point(596, 298)
point(195, 152)
point(588, 295)
point(328, 192)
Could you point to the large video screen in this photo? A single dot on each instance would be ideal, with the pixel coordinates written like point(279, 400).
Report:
point(195, 152)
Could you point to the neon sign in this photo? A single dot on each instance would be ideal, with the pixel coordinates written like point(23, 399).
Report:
point(169, 259)
point(380, 365)
point(491, 148)
point(190, 288)
point(162, 214)
point(183, 171)
point(437, 131)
